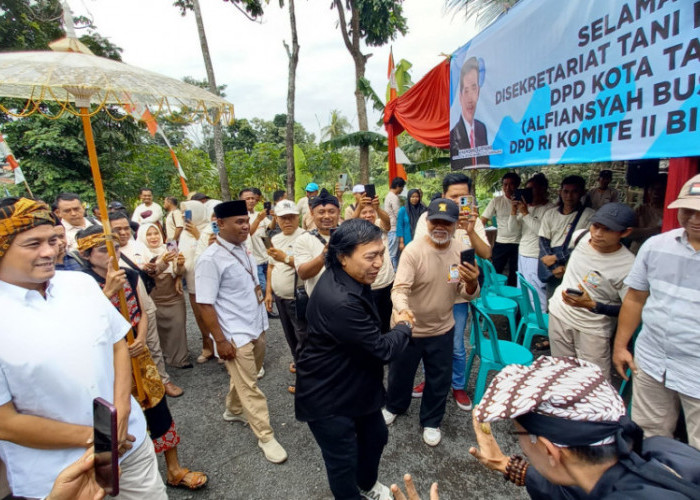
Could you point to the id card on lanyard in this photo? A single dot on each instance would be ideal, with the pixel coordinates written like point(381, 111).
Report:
point(258, 289)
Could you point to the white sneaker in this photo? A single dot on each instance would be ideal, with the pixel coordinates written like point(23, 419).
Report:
point(273, 451)
point(235, 417)
point(378, 492)
point(388, 416)
point(261, 373)
point(432, 436)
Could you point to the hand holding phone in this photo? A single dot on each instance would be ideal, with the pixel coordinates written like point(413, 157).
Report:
point(171, 246)
point(267, 206)
point(267, 241)
point(188, 215)
point(106, 443)
point(343, 182)
point(468, 257)
point(574, 291)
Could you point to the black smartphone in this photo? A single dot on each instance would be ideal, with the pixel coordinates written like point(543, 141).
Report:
point(518, 195)
point(574, 291)
point(267, 206)
point(267, 241)
point(370, 192)
point(468, 256)
point(527, 195)
point(104, 417)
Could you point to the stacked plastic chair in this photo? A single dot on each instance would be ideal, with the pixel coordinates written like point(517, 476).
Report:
point(532, 320)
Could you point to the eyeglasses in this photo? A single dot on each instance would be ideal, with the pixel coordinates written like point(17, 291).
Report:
point(103, 249)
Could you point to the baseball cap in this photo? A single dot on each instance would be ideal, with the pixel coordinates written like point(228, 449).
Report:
point(689, 197)
point(311, 187)
point(615, 216)
point(358, 188)
point(443, 209)
point(286, 207)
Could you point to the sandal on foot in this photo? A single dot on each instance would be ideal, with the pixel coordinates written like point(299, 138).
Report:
point(292, 367)
point(190, 480)
point(292, 389)
point(204, 357)
point(173, 391)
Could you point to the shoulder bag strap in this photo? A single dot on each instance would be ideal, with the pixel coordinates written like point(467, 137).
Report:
point(565, 245)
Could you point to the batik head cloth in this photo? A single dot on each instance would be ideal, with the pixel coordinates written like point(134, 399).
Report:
point(21, 216)
point(92, 241)
point(554, 393)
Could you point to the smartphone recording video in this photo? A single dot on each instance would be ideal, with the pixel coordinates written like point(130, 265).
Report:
point(106, 444)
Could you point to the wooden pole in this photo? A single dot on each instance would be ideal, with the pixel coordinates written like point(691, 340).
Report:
point(102, 204)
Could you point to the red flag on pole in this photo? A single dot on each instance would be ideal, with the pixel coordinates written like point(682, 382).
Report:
point(394, 168)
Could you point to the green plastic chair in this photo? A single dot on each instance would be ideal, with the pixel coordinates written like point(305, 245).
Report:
point(492, 276)
point(494, 354)
point(495, 304)
point(532, 320)
point(501, 289)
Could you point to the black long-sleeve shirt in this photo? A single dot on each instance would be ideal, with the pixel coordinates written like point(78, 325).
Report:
point(340, 366)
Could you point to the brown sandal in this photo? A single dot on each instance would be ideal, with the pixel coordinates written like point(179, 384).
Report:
point(196, 480)
point(292, 367)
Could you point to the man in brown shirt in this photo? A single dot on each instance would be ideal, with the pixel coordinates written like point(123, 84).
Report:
point(428, 280)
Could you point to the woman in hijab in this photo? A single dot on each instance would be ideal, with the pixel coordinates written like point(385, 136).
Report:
point(168, 295)
point(194, 225)
point(408, 217)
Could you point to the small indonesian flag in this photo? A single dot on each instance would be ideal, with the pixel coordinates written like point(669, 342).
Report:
point(9, 159)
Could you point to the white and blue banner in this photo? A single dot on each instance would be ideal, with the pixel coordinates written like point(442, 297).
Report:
point(575, 81)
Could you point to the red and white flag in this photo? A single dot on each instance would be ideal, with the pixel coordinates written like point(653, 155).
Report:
point(9, 162)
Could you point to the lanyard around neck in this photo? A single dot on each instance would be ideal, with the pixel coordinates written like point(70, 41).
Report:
point(248, 268)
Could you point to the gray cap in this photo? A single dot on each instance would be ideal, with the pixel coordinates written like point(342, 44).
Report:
point(615, 216)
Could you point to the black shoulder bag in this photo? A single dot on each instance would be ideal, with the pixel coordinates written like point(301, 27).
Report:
point(562, 253)
point(148, 281)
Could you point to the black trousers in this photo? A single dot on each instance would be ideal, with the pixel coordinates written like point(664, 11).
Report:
point(351, 448)
point(294, 329)
point(436, 353)
point(506, 253)
point(382, 299)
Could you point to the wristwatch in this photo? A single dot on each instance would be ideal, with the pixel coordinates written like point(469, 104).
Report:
point(286, 259)
point(407, 323)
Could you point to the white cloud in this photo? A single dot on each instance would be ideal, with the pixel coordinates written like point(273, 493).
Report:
point(250, 59)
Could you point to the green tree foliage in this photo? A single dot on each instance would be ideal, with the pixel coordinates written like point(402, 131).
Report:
point(252, 8)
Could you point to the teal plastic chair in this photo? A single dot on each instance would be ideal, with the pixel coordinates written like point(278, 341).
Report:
point(495, 304)
point(532, 320)
point(501, 289)
point(494, 354)
point(492, 276)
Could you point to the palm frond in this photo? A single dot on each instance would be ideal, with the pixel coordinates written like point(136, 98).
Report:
point(373, 139)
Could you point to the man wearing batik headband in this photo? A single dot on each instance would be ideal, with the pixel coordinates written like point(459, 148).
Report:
point(572, 427)
point(53, 363)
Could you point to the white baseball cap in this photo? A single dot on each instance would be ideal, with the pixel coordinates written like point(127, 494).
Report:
point(358, 188)
point(689, 197)
point(286, 207)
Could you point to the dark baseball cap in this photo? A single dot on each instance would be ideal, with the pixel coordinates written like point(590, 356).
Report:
point(443, 209)
point(615, 216)
point(116, 205)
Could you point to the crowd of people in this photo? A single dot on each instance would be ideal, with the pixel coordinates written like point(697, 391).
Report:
point(354, 290)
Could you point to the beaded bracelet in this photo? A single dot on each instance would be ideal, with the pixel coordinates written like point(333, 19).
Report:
point(516, 470)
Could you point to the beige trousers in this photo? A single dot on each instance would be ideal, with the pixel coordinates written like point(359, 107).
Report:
point(565, 340)
point(140, 478)
point(153, 343)
point(244, 395)
point(655, 408)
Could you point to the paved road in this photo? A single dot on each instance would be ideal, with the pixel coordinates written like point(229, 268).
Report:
point(237, 469)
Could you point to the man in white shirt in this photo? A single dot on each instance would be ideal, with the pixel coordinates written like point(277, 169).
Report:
point(259, 222)
point(70, 210)
point(526, 217)
point(310, 247)
point(174, 221)
point(231, 303)
point(282, 278)
point(505, 251)
point(583, 311)
point(148, 210)
point(392, 205)
point(54, 362)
